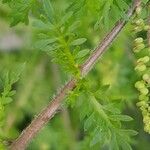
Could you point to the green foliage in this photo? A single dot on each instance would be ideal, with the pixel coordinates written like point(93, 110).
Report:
point(20, 10)
point(102, 117)
point(7, 80)
point(67, 30)
point(58, 38)
point(105, 10)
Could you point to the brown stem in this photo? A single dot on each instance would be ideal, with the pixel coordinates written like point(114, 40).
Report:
point(29, 133)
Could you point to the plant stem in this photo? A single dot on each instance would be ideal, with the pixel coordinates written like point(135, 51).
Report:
point(36, 125)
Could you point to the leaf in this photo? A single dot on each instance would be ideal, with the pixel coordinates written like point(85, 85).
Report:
point(121, 117)
point(11, 93)
point(121, 4)
point(74, 26)
point(41, 25)
point(97, 24)
point(65, 18)
point(100, 92)
point(76, 6)
point(112, 107)
point(42, 44)
point(7, 100)
point(20, 11)
point(88, 123)
point(98, 137)
point(129, 132)
point(106, 14)
point(15, 74)
point(82, 53)
point(126, 146)
point(48, 9)
point(104, 88)
point(78, 41)
point(114, 143)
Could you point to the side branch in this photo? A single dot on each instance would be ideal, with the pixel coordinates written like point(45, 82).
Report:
point(30, 132)
point(102, 47)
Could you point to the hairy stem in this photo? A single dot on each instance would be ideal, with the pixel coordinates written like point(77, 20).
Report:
point(30, 132)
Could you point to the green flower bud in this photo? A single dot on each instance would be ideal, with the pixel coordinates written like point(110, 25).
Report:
point(146, 77)
point(135, 50)
point(143, 60)
point(141, 103)
point(146, 27)
point(139, 47)
point(146, 119)
point(146, 59)
point(144, 112)
point(140, 84)
point(143, 98)
point(137, 29)
point(144, 91)
point(138, 40)
point(146, 129)
point(140, 67)
point(139, 22)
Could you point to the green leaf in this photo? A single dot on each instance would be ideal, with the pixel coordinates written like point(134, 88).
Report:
point(43, 26)
point(74, 26)
point(121, 4)
point(126, 146)
point(11, 93)
point(114, 143)
point(66, 18)
point(106, 14)
point(48, 9)
point(82, 53)
point(98, 137)
point(16, 72)
point(112, 107)
point(88, 123)
point(20, 11)
point(42, 44)
point(78, 41)
point(7, 100)
point(121, 117)
point(129, 132)
point(105, 88)
point(97, 24)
